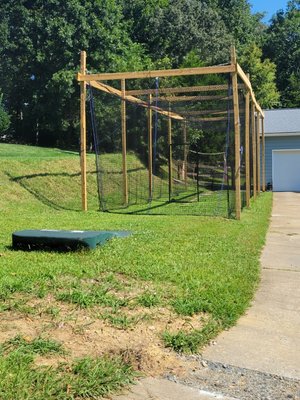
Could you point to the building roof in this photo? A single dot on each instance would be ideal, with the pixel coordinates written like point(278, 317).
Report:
point(283, 121)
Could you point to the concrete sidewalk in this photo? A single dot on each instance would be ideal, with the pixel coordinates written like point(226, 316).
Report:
point(267, 338)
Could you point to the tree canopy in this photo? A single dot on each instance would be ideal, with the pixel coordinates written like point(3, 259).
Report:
point(283, 48)
point(4, 117)
point(40, 44)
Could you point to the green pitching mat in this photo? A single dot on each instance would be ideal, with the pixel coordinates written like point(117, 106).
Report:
point(68, 240)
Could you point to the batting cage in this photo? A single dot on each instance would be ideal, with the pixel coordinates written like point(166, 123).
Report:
point(173, 145)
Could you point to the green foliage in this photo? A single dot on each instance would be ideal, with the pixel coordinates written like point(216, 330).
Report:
point(283, 48)
point(242, 25)
point(149, 299)
point(119, 320)
point(86, 299)
point(86, 378)
point(4, 117)
point(177, 27)
point(40, 53)
point(40, 44)
point(190, 342)
point(38, 345)
point(262, 75)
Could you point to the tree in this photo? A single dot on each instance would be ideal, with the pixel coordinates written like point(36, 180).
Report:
point(283, 48)
point(40, 45)
point(262, 75)
point(4, 117)
point(244, 26)
point(173, 28)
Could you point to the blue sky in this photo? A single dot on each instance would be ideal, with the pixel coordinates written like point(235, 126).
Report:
point(269, 6)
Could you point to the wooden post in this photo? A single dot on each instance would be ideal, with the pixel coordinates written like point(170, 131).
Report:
point(263, 156)
point(184, 167)
point(124, 143)
point(253, 125)
point(237, 140)
point(247, 145)
point(170, 154)
point(258, 151)
point(150, 149)
point(83, 133)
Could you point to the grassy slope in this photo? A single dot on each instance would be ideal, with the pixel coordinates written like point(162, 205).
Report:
point(207, 264)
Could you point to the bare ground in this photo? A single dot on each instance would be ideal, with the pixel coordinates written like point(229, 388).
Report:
point(83, 332)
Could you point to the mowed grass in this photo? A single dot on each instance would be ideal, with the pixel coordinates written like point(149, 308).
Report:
point(192, 264)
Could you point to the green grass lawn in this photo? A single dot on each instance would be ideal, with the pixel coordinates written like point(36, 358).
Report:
point(188, 265)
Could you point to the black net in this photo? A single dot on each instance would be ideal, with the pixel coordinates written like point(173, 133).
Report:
point(167, 153)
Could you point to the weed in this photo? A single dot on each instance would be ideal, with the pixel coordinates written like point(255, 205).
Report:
point(120, 320)
point(191, 305)
point(36, 346)
point(190, 342)
point(53, 311)
point(85, 378)
point(149, 299)
point(91, 298)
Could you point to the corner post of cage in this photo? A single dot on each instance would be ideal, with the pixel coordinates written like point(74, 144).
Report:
point(237, 140)
point(124, 142)
point(263, 156)
point(170, 153)
point(247, 144)
point(83, 133)
point(150, 149)
point(258, 161)
point(185, 151)
point(254, 152)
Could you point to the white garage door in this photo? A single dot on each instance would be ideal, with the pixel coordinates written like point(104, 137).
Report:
point(286, 170)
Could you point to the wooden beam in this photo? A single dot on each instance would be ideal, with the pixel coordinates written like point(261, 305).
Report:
point(124, 143)
point(179, 99)
point(218, 69)
point(253, 131)
point(263, 154)
point(244, 77)
point(83, 133)
point(212, 119)
point(174, 90)
point(247, 83)
point(208, 112)
point(258, 151)
point(109, 89)
point(170, 158)
point(150, 149)
point(247, 147)
point(237, 141)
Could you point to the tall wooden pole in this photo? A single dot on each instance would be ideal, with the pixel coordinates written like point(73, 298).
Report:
point(263, 156)
point(247, 146)
point(185, 151)
point(253, 125)
point(258, 151)
point(170, 154)
point(124, 143)
point(150, 149)
point(237, 140)
point(83, 133)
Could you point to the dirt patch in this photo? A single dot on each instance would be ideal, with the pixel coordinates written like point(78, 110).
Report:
point(83, 332)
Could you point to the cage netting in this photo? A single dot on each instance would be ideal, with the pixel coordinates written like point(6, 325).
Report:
point(180, 148)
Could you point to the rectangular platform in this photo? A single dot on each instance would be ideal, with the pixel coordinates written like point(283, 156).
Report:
point(60, 239)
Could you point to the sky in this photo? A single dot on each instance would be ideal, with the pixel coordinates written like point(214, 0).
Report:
point(269, 6)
